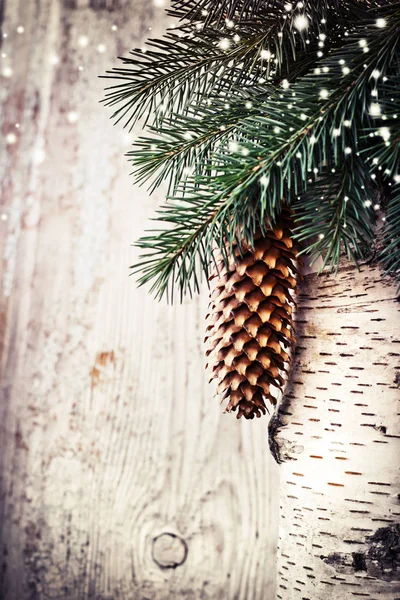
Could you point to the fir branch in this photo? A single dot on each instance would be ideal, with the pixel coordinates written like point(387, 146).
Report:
point(186, 145)
point(313, 130)
point(239, 10)
point(190, 64)
point(383, 153)
point(218, 11)
point(307, 146)
point(336, 215)
point(195, 225)
point(389, 254)
point(176, 72)
point(284, 148)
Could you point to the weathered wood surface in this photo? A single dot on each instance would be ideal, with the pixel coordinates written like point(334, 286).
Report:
point(109, 434)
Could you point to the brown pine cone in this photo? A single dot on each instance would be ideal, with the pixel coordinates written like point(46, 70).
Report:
point(250, 323)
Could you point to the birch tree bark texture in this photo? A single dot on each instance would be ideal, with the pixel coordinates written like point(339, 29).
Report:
point(337, 434)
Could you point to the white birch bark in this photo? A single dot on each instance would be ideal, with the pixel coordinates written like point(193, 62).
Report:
point(339, 440)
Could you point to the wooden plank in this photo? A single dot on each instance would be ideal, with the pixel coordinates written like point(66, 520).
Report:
point(109, 434)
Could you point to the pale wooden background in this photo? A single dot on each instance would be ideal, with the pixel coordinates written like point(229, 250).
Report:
point(109, 434)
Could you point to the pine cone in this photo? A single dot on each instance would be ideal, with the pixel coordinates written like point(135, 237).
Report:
point(250, 323)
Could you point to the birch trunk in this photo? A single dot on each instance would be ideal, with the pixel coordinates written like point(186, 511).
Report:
point(338, 436)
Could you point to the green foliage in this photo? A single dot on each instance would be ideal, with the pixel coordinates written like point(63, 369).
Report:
point(210, 11)
point(334, 215)
point(309, 119)
point(200, 223)
point(185, 144)
point(390, 252)
point(189, 63)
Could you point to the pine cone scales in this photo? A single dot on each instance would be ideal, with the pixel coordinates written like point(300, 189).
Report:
point(250, 323)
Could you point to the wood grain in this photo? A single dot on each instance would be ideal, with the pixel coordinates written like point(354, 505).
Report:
point(109, 433)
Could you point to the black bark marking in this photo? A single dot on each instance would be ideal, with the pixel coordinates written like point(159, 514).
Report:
point(381, 428)
point(274, 425)
point(346, 562)
point(280, 448)
point(359, 563)
point(381, 560)
point(383, 556)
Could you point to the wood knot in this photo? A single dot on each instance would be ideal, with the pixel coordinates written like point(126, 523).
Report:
point(169, 550)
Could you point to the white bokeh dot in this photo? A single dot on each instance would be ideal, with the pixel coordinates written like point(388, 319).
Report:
point(7, 72)
point(83, 41)
point(72, 116)
point(11, 138)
